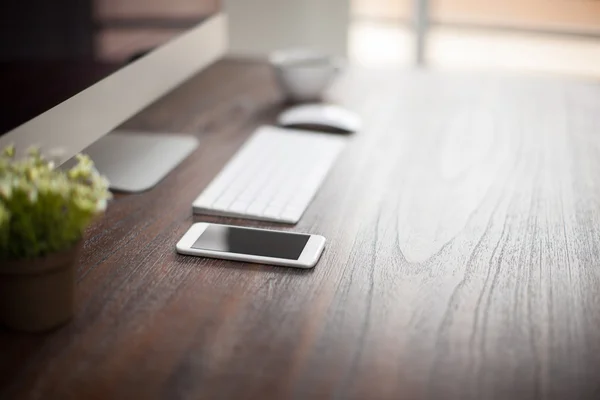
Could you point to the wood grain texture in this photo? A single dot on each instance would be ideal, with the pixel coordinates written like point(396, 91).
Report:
point(462, 257)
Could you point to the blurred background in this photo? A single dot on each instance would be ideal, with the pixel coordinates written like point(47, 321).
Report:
point(547, 36)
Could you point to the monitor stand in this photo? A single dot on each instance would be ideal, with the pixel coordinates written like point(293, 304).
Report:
point(136, 161)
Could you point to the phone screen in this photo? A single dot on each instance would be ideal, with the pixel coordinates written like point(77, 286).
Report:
point(253, 242)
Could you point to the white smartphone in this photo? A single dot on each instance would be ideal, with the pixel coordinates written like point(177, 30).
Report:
point(262, 246)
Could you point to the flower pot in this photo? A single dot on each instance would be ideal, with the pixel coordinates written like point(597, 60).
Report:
point(38, 294)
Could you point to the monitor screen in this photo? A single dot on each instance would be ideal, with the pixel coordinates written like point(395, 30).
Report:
point(52, 50)
point(28, 88)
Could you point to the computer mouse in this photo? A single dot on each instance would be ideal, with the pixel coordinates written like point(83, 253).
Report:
point(320, 117)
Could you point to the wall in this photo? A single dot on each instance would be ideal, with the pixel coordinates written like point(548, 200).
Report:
point(563, 15)
point(258, 27)
point(383, 9)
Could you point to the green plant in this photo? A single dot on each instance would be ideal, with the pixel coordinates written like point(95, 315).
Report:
point(44, 209)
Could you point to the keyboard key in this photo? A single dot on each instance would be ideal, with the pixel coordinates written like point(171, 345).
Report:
point(273, 176)
point(256, 209)
point(292, 213)
point(203, 201)
point(222, 204)
point(272, 212)
point(238, 207)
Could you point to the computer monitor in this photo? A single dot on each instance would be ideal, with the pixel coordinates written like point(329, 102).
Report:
point(83, 122)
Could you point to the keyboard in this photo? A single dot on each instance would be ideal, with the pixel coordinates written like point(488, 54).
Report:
point(273, 177)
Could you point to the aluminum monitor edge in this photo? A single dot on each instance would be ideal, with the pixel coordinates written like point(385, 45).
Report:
point(76, 123)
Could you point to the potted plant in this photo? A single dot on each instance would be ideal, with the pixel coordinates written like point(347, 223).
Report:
point(44, 212)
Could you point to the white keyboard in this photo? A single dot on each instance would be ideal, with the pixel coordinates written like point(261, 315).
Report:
point(273, 177)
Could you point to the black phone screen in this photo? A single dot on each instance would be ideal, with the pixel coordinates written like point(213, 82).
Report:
point(230, 239)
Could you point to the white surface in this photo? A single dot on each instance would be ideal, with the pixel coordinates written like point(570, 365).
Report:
point(134, 162)
point(259, 27)
point(390, 45)
point(304, 75)
point(308, 259)
point(325, 115)
point(273, 177)
point(79, 121)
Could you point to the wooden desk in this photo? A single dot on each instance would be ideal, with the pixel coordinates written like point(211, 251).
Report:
point(462, 258)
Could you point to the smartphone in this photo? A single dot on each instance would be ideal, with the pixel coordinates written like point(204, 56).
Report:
point(262, 246)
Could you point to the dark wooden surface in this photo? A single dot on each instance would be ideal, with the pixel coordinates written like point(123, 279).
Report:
point(462, 257)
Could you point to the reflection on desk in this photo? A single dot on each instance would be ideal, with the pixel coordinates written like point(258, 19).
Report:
point(462, 257)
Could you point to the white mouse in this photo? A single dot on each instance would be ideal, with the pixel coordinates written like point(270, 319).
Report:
point(320, 117)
